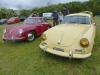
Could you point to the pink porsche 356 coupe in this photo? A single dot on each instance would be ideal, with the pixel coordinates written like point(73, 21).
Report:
point(31, 28)
point(13, 20)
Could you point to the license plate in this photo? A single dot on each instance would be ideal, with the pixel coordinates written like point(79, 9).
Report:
point(58, 49)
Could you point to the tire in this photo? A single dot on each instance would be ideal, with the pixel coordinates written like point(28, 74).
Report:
point(4, 40)
point(31, 36)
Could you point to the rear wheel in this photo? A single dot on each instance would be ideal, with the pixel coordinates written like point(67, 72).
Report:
point(31, 36)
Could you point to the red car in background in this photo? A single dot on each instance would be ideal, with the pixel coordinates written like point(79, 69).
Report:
point(31, 28)
point(13, 20)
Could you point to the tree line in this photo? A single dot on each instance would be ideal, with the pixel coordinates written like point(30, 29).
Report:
point(74, 7)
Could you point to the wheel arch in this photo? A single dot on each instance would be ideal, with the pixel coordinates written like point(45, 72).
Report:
point(34, 32)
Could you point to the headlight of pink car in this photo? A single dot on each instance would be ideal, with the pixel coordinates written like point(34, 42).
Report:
point(20, 31)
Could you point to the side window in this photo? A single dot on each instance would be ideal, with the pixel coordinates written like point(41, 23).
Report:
point(39, 20)
point(44, 20)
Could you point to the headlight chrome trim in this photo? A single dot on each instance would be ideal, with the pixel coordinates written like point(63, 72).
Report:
point(84, 42)
point(20, 31)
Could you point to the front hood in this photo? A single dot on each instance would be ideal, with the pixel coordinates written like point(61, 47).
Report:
point(65, 34)
point(16, 28)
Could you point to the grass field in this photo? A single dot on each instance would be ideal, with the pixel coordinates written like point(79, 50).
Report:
point(23, 58)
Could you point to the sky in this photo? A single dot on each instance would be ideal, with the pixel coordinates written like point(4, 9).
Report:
point(28, 4)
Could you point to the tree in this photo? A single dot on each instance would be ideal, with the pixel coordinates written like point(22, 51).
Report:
point(24, 12)
point(7, 13)
point(95, 6)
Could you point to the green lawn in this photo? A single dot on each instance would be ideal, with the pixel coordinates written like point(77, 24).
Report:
point(23, 58)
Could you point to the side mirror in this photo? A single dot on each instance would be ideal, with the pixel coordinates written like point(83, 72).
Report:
point(94, 24)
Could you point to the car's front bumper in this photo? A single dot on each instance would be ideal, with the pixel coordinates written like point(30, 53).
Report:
point(65, 54)
point(12, 38)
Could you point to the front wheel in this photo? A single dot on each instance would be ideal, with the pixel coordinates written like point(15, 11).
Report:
point(31, 36)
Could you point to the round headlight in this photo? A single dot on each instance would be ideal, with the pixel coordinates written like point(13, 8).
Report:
point(43, 37)
point(84, 42)
point(20, 31)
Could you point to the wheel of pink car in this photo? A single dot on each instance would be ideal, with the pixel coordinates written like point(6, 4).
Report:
point(31, 36)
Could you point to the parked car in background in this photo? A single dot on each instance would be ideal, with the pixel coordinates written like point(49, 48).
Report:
point(22, 18)
point(47, 15)
point(2, 21)
point(13, 20)
point(74, 38)
point(31, 28)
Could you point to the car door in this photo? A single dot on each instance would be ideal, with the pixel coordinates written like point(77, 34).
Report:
point(42, 26)
point(45, 26)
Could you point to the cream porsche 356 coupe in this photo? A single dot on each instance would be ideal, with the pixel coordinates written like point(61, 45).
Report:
point(74, 38)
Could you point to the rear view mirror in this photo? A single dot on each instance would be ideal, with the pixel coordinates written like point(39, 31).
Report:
point(94, 24)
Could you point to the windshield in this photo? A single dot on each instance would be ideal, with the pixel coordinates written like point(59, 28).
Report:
point(33, 21)
point(76, 19)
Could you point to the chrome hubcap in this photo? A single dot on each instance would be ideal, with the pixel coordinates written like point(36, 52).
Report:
point(31, 37)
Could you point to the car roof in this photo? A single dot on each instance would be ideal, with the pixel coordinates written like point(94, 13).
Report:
point(80, 14)
point(35, 17)
point(13, 17)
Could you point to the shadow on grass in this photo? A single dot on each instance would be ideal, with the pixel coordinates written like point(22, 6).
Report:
point(65, 59)
point(47, 56)
point(16, 43)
